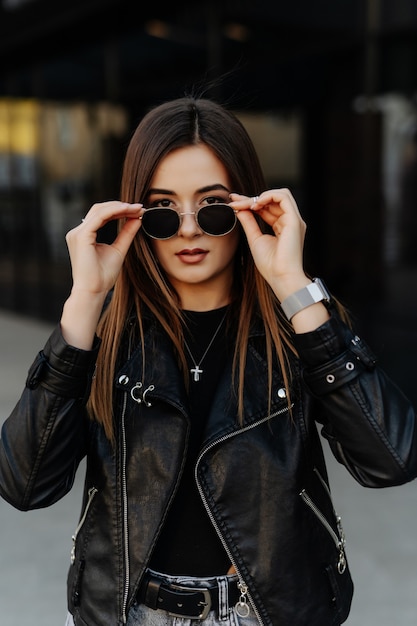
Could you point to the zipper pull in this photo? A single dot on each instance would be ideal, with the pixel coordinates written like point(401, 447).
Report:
point(73, 550)
point(91, 493)
point(242, 607)
point(341, 564)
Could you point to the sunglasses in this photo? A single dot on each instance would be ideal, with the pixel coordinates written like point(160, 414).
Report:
point(213, 219)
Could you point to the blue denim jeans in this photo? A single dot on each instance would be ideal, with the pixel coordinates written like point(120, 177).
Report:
point(223, 615)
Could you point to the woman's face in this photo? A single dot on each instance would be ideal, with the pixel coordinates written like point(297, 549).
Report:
point(199, 266)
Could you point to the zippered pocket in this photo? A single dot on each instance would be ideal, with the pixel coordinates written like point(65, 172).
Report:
point(337, 537)
point(91, 493)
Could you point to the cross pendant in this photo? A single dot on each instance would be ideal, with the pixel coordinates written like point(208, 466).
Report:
point(196, 371)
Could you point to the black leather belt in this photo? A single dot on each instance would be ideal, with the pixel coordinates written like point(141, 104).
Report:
point(181, 601)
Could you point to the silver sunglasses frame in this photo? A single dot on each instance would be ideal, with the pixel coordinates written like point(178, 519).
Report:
point(195, 213)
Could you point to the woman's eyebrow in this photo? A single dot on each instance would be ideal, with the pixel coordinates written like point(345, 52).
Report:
point(162, 192)
point(205, 189)
point(215, 187)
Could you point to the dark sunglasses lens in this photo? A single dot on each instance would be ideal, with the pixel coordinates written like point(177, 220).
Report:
point(216, 219)
point(160, 223)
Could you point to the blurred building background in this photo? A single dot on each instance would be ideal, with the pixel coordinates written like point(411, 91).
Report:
point(327, 90)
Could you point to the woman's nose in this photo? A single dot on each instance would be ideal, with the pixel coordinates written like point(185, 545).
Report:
point(189, 226)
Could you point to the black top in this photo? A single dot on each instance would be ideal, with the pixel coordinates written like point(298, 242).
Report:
point(189, 544)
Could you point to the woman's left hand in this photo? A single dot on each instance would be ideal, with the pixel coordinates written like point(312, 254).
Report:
point(278, 257)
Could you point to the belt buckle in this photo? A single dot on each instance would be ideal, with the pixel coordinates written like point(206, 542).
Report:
point(206, 603)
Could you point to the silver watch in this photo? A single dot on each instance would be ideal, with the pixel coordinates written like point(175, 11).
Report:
point(301, 299)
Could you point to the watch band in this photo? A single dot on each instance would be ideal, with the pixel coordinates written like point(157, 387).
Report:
point(315, 292)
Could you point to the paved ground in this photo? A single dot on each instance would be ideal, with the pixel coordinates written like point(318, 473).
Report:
point(35, 546)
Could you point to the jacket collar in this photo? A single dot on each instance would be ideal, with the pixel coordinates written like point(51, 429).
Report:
point(162, 378)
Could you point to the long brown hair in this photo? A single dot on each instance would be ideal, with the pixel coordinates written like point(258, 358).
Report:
point(141, 283)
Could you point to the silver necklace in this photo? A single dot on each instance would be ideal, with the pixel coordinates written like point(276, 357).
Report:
point(196, 370)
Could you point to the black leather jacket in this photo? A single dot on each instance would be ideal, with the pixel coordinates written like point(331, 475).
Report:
point(264, 483)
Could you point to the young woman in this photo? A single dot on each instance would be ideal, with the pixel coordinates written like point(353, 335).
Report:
point(192, 362)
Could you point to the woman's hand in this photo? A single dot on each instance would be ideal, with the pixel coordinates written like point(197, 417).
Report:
point(279, 257)
point(95, 267)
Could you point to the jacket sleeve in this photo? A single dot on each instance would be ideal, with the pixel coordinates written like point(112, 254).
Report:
point(369, 423)
point(45, 437)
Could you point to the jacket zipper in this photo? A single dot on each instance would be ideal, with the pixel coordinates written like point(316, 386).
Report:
point(125, 514)
point(125, 511)
point(339, 539)
point(241, 584)
point(124, 500)
point(91, 493)
point(338, 520)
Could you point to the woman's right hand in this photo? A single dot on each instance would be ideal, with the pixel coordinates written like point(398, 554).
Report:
point(95, 267)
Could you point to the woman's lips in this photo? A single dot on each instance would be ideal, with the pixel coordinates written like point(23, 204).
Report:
point(194, 255)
